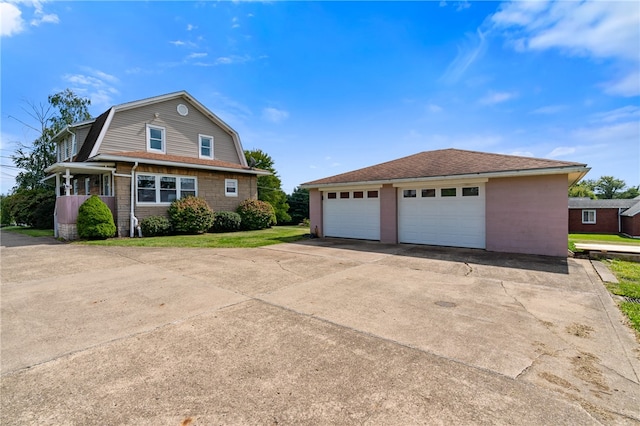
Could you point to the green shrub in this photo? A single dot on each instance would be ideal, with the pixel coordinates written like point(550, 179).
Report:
point(154, 226)
point(191, 215)
point(32, 207)
point(95, 220)
point(226, 222)
point(256, 214)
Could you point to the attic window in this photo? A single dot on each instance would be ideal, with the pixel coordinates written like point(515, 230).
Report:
point(156, 139)
point(206, 146)
point(409, 193)
point(331, 195)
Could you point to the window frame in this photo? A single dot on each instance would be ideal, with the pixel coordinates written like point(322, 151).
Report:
point(163, 139)
point(588, 211)
point(158, 188)
point(226, 187)
point(201, 137)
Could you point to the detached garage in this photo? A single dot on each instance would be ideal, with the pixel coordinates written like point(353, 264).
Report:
point(452, 198)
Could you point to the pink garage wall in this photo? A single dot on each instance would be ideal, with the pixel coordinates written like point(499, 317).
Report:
point(527, 215)
point(315, 212)
point(388, 214)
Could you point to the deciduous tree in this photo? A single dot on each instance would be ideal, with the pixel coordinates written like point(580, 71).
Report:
point(269, 187)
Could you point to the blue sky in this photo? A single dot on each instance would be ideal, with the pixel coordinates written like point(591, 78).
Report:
point(328, 87)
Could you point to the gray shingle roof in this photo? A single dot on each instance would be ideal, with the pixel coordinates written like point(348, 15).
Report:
point(587, 203)
point(444, 162)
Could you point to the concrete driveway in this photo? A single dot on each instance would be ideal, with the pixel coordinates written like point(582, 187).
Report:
point(320, 332)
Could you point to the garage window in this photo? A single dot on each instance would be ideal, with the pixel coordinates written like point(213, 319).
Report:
point(409, 193)
point(344, 195)
point(589, 216)
point(331, 195)
point(372, 194)
point(358, 194)
point(448, 192)
point(473, 191)
point(428, 193)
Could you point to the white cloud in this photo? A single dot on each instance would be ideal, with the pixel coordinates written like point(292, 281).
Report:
point(627, 86)
point(549, 109)
point(521, 153)
point(177, 42)
point(629, 112)
point(463, 5)
point(95, 84)
point(233, 59)
point(197, 55)
point(434, 108)
point(561, 151)
point(468, 53)
point(234, 22)
point(11, 16)
point(497, 97)
point(592, 29)
point(274, 115)
point(11, 21)
point(191, 27)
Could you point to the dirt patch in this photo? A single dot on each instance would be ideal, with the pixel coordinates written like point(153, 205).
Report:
point(584, 367)
point(552, 378)
point(579, 330)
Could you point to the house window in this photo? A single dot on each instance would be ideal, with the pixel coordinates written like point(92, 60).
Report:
point(87, 186)
point(589, 216)
point(106, 185)
point(358, 194)
point(372, 194)
point(344, 195)
point(409, 193)
point(231, 187)
point(473, 191)
point(156, 139)
point(163, 189)
point(448, 192)
point(75, 187)
point(428, 193)
point(206, 146)
point(331, 195)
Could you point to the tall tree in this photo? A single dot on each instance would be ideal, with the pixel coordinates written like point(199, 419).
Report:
point(269, 187)
point(608, 187)
point(584, 189)
point(62, 109)
point(298, 204)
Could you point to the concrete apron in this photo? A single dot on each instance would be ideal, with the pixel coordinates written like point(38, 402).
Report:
point(320, 332)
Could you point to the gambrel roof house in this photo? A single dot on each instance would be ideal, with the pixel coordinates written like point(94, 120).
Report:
point(451, 197)
point(615, 216)
point(140, 156)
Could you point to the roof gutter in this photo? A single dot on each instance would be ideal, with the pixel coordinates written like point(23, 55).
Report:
point(183, 165)
point(582, 171)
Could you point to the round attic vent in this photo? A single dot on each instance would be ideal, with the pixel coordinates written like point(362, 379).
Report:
point(182, 109)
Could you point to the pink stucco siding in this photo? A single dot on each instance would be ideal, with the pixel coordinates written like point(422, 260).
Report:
point(315, 212)
point(527, 215)
point(388, 214)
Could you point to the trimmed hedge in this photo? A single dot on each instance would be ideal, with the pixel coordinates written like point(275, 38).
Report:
point(155, 226)
point(226, 222)
point(190, 215)
point(95, 220)
point(256, 214)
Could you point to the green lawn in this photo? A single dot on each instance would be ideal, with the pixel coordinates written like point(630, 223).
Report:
point(603, 238)
point(32, 232)
point(245, 239)
point(628, 273)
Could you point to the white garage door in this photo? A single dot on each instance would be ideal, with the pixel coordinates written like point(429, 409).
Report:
point(445, 215)
point(352, 214)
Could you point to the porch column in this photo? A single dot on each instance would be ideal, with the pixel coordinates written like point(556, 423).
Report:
point(67, 183)
point(57, 184)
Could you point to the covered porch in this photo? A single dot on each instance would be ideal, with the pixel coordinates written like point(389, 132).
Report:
point(75, 183)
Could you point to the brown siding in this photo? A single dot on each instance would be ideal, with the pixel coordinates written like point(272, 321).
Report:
point(210, 187)
point(122, 188)
point(606, 221)
point(631, 225)
point(127, 131)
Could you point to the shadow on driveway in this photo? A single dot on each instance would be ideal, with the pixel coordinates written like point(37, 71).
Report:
point(16, 239)
point(556, 265)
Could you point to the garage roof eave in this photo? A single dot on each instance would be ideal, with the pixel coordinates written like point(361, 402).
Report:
point(575, 173)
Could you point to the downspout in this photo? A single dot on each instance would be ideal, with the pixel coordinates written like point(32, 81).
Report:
point(133, 224)
point(619, 220)
point(73, 142)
